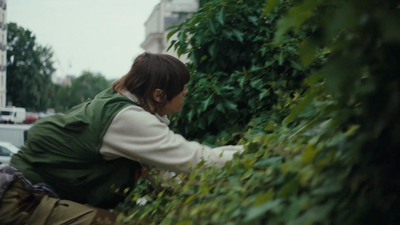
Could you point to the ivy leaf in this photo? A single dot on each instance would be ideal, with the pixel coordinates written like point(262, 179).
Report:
point(212, 50)
point(308, 98)
point(211, 26)
point(269, 161)
point(253, 19)
point(186, 222)
point(289, 188)
point(227, 34)
point(230, 105)
point(268, 63)
point(263, 94)
point(258, 211)
point(220, 108)
point(327, 189)
point(281, 58)
point(207, 102)
point(220, 17)
point(217, 89)
point(190, 115)
point(296, 65)
point(257, 84)
point(309, 154)
point(238, 35)
point(189, 199)
point(271, 4)
point(308, 52)
point(241, 81)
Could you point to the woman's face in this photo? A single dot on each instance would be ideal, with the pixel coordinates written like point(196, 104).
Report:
point(175, 105)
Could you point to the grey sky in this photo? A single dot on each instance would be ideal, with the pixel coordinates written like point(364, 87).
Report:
point(96, 35)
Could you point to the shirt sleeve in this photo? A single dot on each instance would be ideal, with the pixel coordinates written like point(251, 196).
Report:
point(140, 136)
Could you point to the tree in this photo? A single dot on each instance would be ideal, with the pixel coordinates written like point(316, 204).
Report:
point(86, 86)
point(29, 70)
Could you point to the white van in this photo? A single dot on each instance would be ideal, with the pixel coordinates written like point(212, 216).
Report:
point(15, 134)
point(12, 115)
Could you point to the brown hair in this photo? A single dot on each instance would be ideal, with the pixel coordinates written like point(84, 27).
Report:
point(150, 72)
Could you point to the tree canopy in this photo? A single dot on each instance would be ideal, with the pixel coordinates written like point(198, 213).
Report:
point(29, 70)
point(86, 86)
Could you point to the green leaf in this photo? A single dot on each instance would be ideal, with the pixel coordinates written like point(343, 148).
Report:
point(281, 58)
point(263, 93)
point(190, 115)
point(173, 26)
point(217, 89)
point(211, 26)
point(257, 84)
point(186, 222)
point(327, 189)
point(314, 78)
point(220, 17)
point(271, 4)
point(260, 210)
point(182, 37)
point(230, 105)
point(253, 19)
point(189, 199)
point(161, 194)
point(213, 50)
point(296, 65)
point(288, 189)
point(309, 154)
point(207, 102)
point(220, 107)
point(308, 52)
point(170, 34)
point(269, 161)
point(179, 51)
point(227, 34)
point(296, 16)
point(171, 45)
point(199, 39)
point(308, 98)
point(268, 63)
point(241, 81)
point(238, 35)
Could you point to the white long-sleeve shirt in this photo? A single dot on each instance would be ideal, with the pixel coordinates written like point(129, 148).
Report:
point(141, 136)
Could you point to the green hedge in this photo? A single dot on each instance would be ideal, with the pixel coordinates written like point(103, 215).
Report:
point(325, 156)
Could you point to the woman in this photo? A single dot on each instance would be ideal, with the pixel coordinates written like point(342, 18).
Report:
point(99, 146)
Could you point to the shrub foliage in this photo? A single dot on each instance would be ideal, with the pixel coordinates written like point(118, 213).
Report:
point(321, 153)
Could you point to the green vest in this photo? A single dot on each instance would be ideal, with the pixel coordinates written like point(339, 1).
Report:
point(62, 151)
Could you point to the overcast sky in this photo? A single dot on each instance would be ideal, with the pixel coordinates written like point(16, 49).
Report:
point(96, 35)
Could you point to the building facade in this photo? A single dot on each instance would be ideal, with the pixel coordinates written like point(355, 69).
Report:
point(3, 53)
point(164, 15)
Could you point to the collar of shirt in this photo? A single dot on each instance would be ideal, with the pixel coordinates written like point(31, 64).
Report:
point(163, 119)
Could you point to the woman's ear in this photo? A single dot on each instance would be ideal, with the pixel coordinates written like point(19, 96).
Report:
point(157, 95)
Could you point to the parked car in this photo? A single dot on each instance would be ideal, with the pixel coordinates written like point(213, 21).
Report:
point(30, 118)
point(6, 151)
point(42, 115)
point(12, 115)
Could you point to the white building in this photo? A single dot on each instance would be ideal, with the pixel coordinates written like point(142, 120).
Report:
point(3, 52)
point(165, 14)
